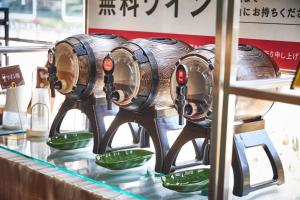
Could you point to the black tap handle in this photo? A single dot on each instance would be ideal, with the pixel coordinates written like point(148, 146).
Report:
point(180, 117)
point(52, 78)
point(109, 89)
point(52, 71)
point(180, 101)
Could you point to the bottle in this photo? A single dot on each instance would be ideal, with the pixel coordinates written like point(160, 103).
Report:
point(15, 109)
point(40, 106)
point(40, 112)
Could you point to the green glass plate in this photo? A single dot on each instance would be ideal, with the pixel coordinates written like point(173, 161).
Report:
point(119, 160)
point(187, 181)
point(72, 140)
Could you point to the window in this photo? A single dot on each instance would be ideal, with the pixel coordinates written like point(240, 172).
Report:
point(46, 20)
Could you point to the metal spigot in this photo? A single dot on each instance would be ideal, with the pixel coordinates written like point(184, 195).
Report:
point(53, 80)
point(109, 89)
point(181, 101)
point(181, 91)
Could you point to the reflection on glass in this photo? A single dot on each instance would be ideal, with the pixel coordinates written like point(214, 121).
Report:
point(140, 181)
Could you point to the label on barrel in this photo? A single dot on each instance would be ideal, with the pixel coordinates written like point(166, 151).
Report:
point(11, 77)
point(273, 26)
point(42, 77)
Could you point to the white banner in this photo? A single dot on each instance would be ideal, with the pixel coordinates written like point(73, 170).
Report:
point(194, 21)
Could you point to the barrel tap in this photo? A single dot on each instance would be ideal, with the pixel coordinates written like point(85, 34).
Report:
point(181, 92)
point(53, 80)
point(109, 89)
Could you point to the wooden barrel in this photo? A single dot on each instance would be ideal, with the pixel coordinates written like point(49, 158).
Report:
point(78, 61)
point(252, 64)
point(142, 71)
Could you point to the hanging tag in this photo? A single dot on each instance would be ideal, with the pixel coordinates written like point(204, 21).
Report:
point(42, 77)
point(11, 77)
point(296, 81)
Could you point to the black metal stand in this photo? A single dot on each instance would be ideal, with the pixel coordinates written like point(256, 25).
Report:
point(155, 123)
point(191, 132)
point(95, 109)
point(251, 135)
point(247, 135)
point(5, 22)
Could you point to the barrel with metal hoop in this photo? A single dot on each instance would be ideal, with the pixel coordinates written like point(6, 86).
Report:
point(138, 72)
point(192, 83)
point(75, 66)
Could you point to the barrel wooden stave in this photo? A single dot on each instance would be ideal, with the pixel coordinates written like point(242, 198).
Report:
point(165, 55)
point(254, 65)
point(251, 65)
point(100, 47)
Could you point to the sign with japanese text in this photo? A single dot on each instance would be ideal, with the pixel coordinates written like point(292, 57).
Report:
point(11, 77)
point(272, 25)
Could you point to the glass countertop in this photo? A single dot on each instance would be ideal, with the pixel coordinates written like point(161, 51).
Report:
point(144, 183)
point(140, 183)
